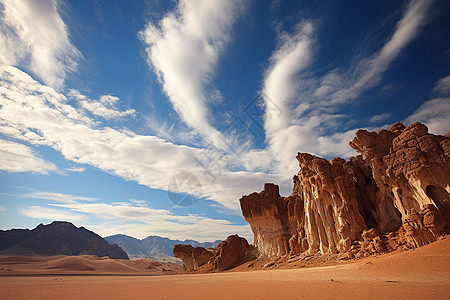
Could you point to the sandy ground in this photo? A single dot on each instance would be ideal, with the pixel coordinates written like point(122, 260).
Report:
point(420, 274)
point(82, 265)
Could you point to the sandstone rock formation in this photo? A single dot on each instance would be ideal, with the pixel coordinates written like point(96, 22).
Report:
point(396, 193)
point(193, 258)
point(228, 254)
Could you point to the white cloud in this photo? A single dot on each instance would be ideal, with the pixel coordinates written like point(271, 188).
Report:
point(58, 197)
point(76, 169)
point(38, 114)
point(33, 35)
point(133, 218)
point(281, 86)
point(308, 121)
point(380, 118)
point(368, 72)
point(15, 158)
point(183, 50)
point(443, 86)
point(46, 213)
point(106, 107)
point(2, 208)
point(435, 114)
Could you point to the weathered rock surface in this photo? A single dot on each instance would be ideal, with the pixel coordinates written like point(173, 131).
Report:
point(395, 194)
point(229, 253)
point(193, 258)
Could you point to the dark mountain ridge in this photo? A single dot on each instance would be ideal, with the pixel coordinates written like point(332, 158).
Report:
point(55, 239)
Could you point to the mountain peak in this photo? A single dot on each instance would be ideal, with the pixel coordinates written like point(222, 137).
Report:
point(58, 237)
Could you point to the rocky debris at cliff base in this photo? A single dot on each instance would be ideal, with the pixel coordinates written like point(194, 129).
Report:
point(394, 195)
point(231, 252)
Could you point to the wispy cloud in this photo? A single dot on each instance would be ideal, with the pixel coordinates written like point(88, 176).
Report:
point(435, 114)
point(33, 35)
point(183, 50)
point(76, 169)
point(281, 84)
point(2, 208)
point(368, 72)
point(46, 213)
point(310, 106)
point(15, 158)
point(39, 115)
point(443, 86)
point(380, 118)
point(58, 197)
point(106, 106)
point(135, 219)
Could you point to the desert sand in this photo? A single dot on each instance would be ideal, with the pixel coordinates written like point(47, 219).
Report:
point(422, 273)
point(82, 265)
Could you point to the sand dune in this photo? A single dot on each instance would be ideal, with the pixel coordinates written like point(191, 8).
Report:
point(82, 265)
point(423, 273)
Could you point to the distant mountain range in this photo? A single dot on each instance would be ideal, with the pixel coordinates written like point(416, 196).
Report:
point(55, 239)
point(154, 247)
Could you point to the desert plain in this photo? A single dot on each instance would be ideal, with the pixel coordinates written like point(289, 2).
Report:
point(422, 273)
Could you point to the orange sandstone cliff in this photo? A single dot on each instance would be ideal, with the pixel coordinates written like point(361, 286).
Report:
point(395, 194)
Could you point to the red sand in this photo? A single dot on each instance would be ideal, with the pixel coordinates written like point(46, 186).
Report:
point(420, 274)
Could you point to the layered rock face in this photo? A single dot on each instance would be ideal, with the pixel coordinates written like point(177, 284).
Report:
point(396, 193)
point(228, 254)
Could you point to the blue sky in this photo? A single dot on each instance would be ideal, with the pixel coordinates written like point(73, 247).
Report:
point(154, 117)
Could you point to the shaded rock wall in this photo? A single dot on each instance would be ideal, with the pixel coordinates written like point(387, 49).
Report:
point(398, 186)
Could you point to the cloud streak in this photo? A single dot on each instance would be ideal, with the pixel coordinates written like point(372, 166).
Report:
point(183, 50)
point(58, 197)
point(368, 72)
point(435, 114)
point(17, 158)
point(134, 218)
point(310, 120)
point(46, 213)
point(106, 106)
point(40, 115)
point(443, 86)
point(33, 35)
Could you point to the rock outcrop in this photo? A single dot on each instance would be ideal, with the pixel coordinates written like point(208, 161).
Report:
point(396, 193)
point(229, 253)
point(193, 258)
